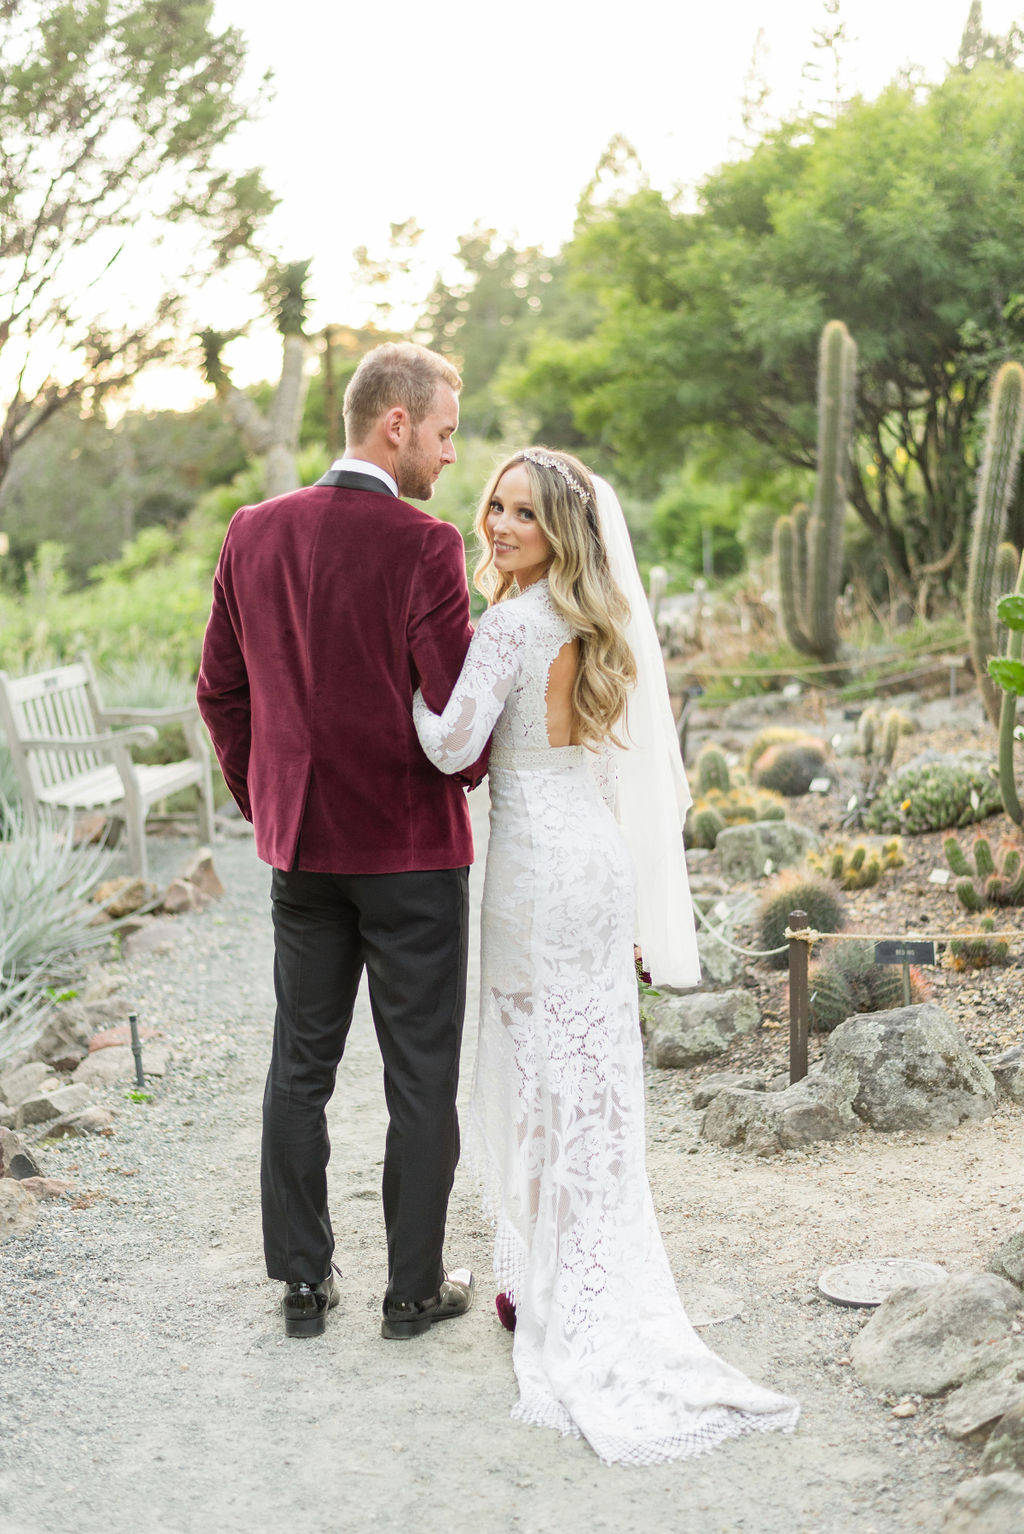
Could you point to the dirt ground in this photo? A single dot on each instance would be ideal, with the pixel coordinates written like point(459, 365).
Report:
point(147, 1385)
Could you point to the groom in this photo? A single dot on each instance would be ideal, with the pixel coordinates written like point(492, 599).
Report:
point(331, 605)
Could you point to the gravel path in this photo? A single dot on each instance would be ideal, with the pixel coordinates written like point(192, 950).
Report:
point(148, 1389)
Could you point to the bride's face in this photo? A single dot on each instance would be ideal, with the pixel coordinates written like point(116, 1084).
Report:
point(520, 548)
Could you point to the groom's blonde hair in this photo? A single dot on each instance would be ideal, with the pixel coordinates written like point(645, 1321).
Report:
point(397, 373)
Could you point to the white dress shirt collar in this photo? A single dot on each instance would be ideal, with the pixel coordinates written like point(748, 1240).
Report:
point(360, 466)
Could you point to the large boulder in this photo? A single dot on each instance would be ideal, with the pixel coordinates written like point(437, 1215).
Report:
point(698, 1026)
point(764, 1123)
point(1008, 1259)
point(909, 1068)
point(762, 846)
point(43, 1106)
point(988, 1504)
point(926, 1340)
point(711, 1086)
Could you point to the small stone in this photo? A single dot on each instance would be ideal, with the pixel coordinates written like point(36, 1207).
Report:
point(16, 1160)
point(45, 1187)
point(201, 873)
point(905, 1409)
point(43, 1106)
point(100, 984)
point(18, 1209)
point(25, 1081)
point(120, 897)
point(91, 1121)
point(106, 1067)
point(181, 897)
point(110, 1037)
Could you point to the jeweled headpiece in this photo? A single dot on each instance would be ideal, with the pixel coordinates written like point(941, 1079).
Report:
point(552, 463)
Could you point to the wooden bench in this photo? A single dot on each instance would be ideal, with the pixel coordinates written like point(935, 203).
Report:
point(68, 756)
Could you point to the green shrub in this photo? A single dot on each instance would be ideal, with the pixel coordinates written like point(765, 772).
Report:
point(797, 890)
point(937, 796)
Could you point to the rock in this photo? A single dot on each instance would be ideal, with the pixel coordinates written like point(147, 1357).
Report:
point(988, 1504)
point(1008, 1259)
point(65, 1039)
point(698, 1026)
point(765, 1123)
point(91, 1121)
point(90, 827)
point(1005, 1448)
point(924, 1341)
point(986, 1397)
point(180, 897)
point(8, 1117)
point(107, 1067)
point(18, 1209)
point(720, 965)
point(157, 935)
point(25, 1081)
point(712, 1085)
point(120, 897)
point(909, 1068)
point(16, 1160)
point(746, 850)
point(110, 1037)
point(45, 1187)
point(100, 984)
point(203, 875)
point(43, 1106)
point(1008, 1070)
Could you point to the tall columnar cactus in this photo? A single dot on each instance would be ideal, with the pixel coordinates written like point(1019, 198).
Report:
point(987, 563)
point(1008, 672)
point(809, 546)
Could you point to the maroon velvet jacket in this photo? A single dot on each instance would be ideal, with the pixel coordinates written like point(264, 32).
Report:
point(331, 605)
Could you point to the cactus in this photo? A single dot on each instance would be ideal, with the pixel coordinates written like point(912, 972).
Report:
point(850, 981)
point(986, 878)
point(794, 890)
point(1008, 673)
point(979, 952)
point(712, 771)
point(858, 867)
point(703, 826)
point(790, 770)
point(996, 484)
point(809, 547)
point(938, 796)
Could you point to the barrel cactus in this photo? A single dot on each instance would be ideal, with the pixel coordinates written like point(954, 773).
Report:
point(850, 981)
point(790, 769)
point(797, 890)
point(712, 771)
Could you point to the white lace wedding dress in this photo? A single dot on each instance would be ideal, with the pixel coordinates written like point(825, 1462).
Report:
point(602, 1345)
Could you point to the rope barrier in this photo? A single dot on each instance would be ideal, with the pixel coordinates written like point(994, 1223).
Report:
point(811, 935)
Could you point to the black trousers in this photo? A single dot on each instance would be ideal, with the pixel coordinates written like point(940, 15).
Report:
point(410, 932)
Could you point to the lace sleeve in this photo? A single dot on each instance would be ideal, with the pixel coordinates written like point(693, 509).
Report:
point(456, 738)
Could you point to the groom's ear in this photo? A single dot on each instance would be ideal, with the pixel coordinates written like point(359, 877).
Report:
point(396, 424)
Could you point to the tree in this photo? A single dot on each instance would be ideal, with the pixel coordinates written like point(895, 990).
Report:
point(111, 116)
point(904, 219)
point(271, 434)
point(976, 44)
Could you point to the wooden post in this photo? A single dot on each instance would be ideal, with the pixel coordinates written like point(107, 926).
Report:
point(799, 998)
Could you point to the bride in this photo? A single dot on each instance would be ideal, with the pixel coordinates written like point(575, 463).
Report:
point(565, 670)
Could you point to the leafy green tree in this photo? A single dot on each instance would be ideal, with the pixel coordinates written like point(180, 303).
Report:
point(905, 219)
point(112, 113)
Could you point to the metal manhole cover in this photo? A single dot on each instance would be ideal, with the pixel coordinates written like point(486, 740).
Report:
point(872, 1279)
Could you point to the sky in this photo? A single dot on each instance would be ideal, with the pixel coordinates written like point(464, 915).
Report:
point(471, 112)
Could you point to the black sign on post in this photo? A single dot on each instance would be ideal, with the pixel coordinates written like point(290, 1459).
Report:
point(905, 951)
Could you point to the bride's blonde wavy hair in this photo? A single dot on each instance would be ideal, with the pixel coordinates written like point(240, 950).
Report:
point(581, 586)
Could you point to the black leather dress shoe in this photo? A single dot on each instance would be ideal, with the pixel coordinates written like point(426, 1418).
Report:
point(305, 1307)
point(409, 1318)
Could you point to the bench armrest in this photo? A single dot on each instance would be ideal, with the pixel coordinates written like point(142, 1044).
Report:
point(141, 735)
point(156, 716)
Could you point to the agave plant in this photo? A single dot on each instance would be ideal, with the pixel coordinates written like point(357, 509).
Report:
point(45, 917)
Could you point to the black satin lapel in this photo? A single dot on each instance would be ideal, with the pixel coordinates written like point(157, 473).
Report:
point(342, 479)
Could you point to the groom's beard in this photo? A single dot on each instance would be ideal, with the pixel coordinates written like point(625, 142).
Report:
point(416, 471)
